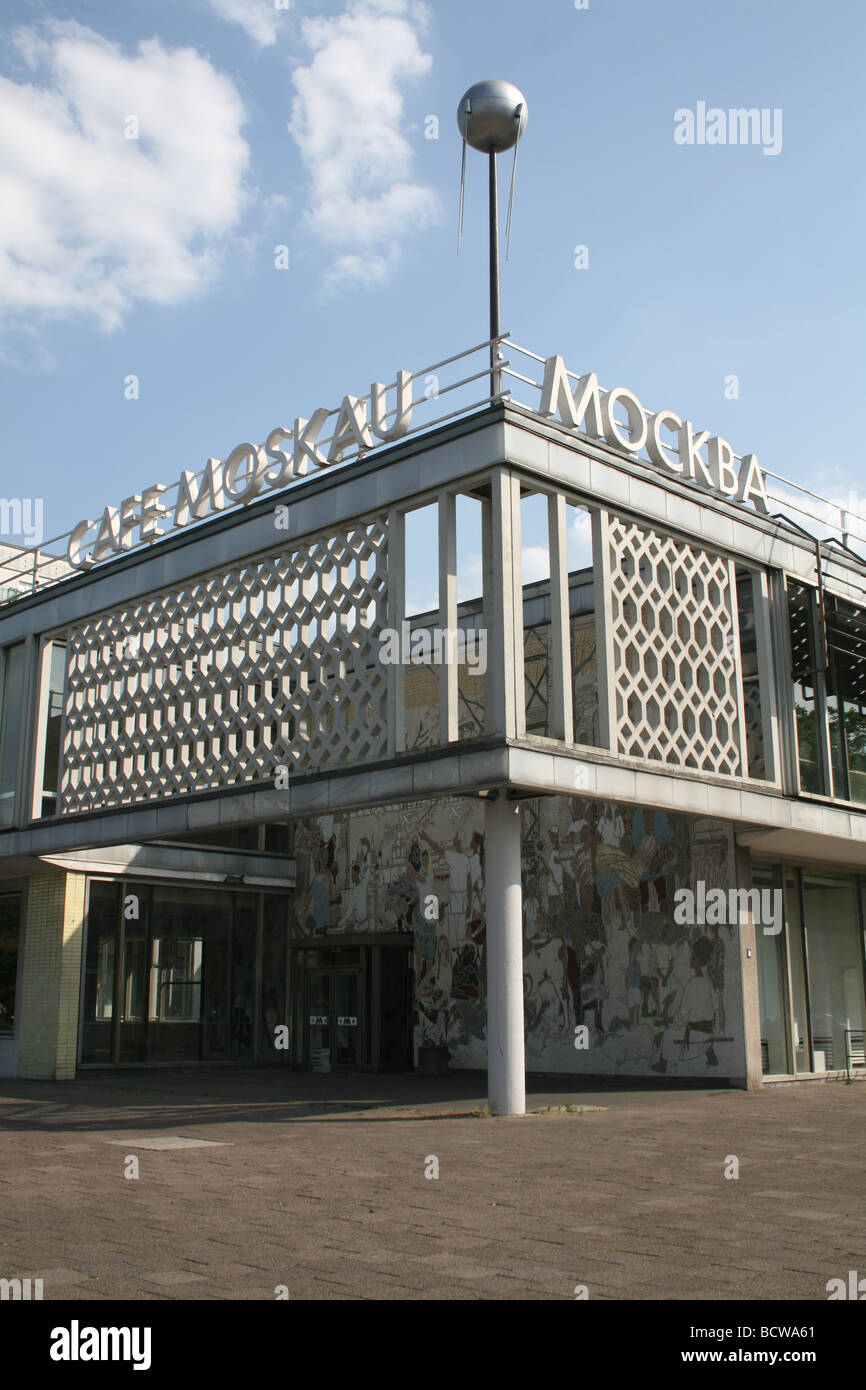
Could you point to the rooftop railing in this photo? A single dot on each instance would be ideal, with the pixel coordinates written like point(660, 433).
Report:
point(838, 525)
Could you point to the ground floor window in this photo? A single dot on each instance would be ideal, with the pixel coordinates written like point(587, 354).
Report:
point(811, 974)
point(177, 974)
point(835, 947)
point(10, 921)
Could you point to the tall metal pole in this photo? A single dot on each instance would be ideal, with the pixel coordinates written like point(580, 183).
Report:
point(495, 315)
point(491, 117)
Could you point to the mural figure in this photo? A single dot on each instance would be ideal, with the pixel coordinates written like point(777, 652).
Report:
point(460, 878)
point(319, 895)
point(655, 849)
point(693, 1027)
point(633, 982)
point(355, 915)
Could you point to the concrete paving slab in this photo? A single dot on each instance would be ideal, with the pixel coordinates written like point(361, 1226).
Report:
point(318, 1184)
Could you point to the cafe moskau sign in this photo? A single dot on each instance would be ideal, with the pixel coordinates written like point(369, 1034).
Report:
point(616, 417)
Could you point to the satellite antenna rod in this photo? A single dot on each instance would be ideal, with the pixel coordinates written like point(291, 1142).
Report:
point(491, 118)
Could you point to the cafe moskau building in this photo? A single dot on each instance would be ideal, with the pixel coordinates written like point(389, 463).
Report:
point(604, 813)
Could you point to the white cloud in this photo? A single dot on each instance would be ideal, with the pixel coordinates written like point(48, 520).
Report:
point(260, 18)
point(347, 120)
point(579, 541)
point(536, 563)
point(92, 221)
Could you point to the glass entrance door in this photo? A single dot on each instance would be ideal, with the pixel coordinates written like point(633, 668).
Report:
point(347, 1032)
point(334, 1022)
point(352, 1004)
point(395, 1002)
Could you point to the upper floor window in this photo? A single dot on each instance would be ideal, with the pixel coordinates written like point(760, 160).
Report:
point(11, 727)
point(846, 696)
point(50, 727)
point(829, 678)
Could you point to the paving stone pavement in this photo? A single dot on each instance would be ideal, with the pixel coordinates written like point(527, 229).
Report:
point(318, 1184)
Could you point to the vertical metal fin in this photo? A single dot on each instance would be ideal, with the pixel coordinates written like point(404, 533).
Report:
point(517, 113)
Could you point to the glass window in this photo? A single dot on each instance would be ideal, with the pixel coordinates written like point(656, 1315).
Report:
point(751, 685)
point(10, 918)
point(422, 607)
point(538, 665)
point(183, 987)
point(273, 1005)
point(11, 729)
point(243, 989)
point(277, 839)
point(133, 1004)
point(582, 624)
point(801, 613)
point(53, 715)
point(471, 678)
point(834, 943)
point(846, 643)
point(772, 989)
point(189, 966)
point(103, 921)
point(794, 929)
point(175, 979)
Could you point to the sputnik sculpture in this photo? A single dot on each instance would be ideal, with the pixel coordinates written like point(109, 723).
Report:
point(491, 118)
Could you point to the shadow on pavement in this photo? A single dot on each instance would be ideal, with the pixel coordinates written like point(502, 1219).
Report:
point(186, 1097)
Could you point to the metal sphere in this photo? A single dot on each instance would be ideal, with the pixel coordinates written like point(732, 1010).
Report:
point(487, 116)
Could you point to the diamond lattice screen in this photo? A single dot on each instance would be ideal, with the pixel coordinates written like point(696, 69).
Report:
point(673, 642)
point(272, 663)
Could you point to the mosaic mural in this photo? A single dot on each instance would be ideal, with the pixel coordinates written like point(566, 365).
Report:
point(605, 964)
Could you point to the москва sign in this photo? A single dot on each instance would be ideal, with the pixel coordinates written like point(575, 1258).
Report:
point(252, 469)
point(594, 411)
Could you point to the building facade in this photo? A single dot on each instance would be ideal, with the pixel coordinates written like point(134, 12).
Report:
point(256, 804)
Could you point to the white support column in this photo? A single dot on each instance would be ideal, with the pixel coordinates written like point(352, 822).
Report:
point(822, 721)
point(396, 675)
point(737, 656)
point(766, 677)
point(780, 630)
point(503, 610)
point(561, 708)
point(746, 944)
point(43, 689)
point(448, 615)
point(491, 696)
point(27, 739)
point(608, 720)
point(506, 1067)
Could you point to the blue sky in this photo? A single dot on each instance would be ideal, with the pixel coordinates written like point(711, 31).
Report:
point(305, 127)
